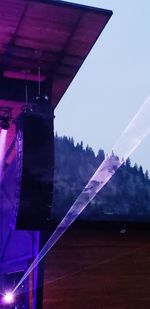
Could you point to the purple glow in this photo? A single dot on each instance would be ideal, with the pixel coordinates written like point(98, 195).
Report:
point(3, 136)
point(8, 298)
point(23, 75)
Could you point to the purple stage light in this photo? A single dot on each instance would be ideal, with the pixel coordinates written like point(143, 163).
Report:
point(3, 136)
point(8, 298)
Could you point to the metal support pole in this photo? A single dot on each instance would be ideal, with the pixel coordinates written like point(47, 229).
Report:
point(39, 273)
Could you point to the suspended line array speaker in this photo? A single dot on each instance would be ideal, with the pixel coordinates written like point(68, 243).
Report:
point(35, 166)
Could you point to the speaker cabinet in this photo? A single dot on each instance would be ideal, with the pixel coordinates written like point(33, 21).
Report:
point(35, 168)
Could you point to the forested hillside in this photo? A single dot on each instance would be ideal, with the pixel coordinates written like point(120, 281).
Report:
point(126, 196)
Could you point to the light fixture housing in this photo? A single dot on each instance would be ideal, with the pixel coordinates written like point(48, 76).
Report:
point(5, 117)
point(5, 124)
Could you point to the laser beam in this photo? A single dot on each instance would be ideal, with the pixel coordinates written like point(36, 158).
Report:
point(133, 135)
point(96, 183)
point(137, 129)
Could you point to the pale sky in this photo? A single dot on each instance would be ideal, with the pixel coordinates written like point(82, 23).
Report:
point(113, 82)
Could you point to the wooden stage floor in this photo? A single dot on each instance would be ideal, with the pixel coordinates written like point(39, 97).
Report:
point(91, 268)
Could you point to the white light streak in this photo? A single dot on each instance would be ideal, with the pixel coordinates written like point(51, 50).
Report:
point(137, 129)
point(3, 136)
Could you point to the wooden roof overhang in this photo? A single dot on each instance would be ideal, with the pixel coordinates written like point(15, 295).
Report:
point(55, 36)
